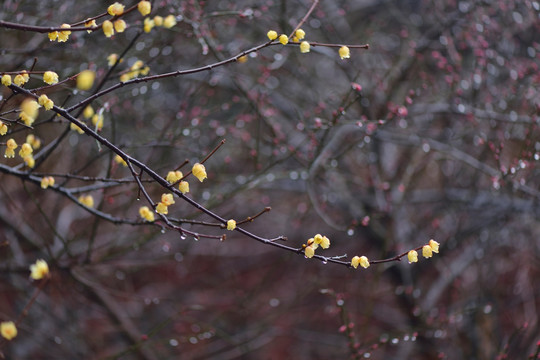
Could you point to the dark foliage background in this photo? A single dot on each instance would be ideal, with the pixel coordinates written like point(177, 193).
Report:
point(441, 142)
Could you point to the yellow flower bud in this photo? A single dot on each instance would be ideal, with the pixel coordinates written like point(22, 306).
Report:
point(44, 101)
point(97, 121)
point(144, 7)
point(161, 208)
point(90, 23)
point(284, 39)
point(300, 34)
point(304, 47)
point(118, 159)
point(3, 128)
point(29, 161)
point(6, 79)
point(146, 213)
point(50, 77)
point(108, 28)
point(434, 246)
point(412, 256)
point(64, 35)
point(344, 52)
point(20, 80)
point(47, 181)
point(112, 59)
point(32, 140)
point(88, 112)
point(360, 260)
point(115, 9)
point(167, 199)
point(39, 270)
point(242, 59)
point(120, 25)
point(29, 111)
point(85, 80)
point(87, 200)
point(231, 224)
point(53, 35)
point(183, 186)
point(169, 21)
point(309, 251)
point(148, 25)
point(427, 252)
point(76, 128)
point(158, 20)
point(26, 149)
point(8, 329)
point(272, 35)
point(199, 171)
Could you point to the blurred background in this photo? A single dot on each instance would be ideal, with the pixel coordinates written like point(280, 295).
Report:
point(432, 133)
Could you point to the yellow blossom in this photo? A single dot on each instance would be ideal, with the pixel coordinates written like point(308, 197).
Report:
point(325, 243)
point(148, 25)
point(47, 181)
point(53, 35)
point(300, 34)
point(76, 128)
point(64, 35)
point(344, 52)
point(434, 246)
point(146, 213)
point(158, 20)
point(39, 270)
point(167, 199)
point(272, 35)
point(311, 242)
point(11, 145)
point(309, 251)
point(427, 252)
point(85, 80)
point(304, 47)
point(26, 149)
point(145, 70)
point(50, 77)
point(412, 256)
point(169, 21)
point(87, 200)
point(115, 9)
point(44, 101)
point(183, 186)
point(118, 159)
point(231, 224)
point(161, 208)
point(108, 28)
point(6, 79)
point(29, 111)
point(120, 25)
point(284, 39)
point(19, 80)
point(3, 128)
point(29, 161)
point(145, 7)
point(174, 176)
point(199, 171)
point(360, 260)
point(97, 121)
point(90, 23)
point(25, 76)
point(112, 59)
point(8, 329)
point(125, 77)
point(88, 112)
point(242, 59)
point(34, 141)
